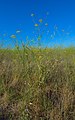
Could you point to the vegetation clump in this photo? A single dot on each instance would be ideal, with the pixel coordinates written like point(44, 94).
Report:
point(37, 83)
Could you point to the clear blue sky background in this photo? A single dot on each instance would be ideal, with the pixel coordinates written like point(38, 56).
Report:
point(16, 15)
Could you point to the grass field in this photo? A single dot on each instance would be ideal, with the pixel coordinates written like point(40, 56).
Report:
point(37, 84)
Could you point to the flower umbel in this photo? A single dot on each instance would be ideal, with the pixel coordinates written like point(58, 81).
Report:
point(13, 36)
point(36, 25)
point(40, 20)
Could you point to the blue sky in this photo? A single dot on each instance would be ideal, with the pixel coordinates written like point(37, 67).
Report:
point(15, 15)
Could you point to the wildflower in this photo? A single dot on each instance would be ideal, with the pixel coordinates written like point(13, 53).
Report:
point(40, 20)
point(13, 36)
point(36, 25)
point(32, 15)
point(18, 31)
point(46, 24)
point(30, 103)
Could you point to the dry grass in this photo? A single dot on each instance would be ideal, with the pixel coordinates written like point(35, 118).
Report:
point(37, 84)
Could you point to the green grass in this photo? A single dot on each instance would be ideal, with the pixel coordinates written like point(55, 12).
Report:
point(37, 84)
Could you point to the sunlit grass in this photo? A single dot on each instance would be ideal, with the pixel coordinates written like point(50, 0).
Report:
point(37, 84)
